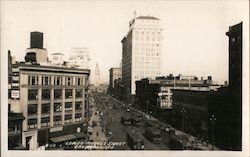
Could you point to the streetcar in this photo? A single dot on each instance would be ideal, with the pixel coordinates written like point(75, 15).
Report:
point(135, 140)
point(179, 143)
point(125, 120)
point(135, 121)
point(153, 135)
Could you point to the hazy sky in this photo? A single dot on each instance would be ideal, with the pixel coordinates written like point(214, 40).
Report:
point(194, 32)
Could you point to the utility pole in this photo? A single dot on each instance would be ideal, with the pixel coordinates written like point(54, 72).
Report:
point(183, 111)
point(213, 120)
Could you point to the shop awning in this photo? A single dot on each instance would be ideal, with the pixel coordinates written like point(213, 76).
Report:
point(68, 137)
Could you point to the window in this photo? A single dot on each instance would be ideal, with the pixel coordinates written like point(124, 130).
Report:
point(69, 81)
point(57, 107)
point(45, 108)
point(153, 36)
point(32, 109)
point(142, 36)
point(78, 105)
point(46, 94)
point(57, 120)
point(33, 80)
point(46, 80)
point(158, 36)
point(78, 93)
point(147, 36)
point(68, 93)
point(32, 123)
point(57, 80)
point(57, 93)
point(32, 95)
point(45, 122)
point(68, 106)
point(78, 117)
point(68, 119)
point(55, 57)
point(79, 81)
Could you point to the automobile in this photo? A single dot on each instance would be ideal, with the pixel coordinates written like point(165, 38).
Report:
point(90, 130)
point(109, 135)
point(94, 124)
point(128, 109)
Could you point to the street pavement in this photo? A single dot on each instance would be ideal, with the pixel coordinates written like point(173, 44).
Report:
point(97, 135)
point(110, 121)
point(112, 118)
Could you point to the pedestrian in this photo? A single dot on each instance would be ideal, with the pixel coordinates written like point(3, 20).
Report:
point(97, 133)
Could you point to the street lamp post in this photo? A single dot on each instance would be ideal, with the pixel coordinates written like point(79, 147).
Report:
point(213, 120)
point(183, 111)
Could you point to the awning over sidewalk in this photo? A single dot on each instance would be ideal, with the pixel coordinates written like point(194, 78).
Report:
point(68, 137)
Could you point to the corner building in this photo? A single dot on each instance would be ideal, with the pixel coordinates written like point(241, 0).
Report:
point(53, 101)
point(141, 52)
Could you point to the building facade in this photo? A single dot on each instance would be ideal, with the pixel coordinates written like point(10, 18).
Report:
point(114, 74)
point(79, 57)
point(57, 58)
point(50, 98)
point(15, 121)
point(141, 51)
point(235, 83)
point(156, 96)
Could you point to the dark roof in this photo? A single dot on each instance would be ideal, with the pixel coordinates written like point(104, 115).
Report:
point(56, 53)
point(147, 17)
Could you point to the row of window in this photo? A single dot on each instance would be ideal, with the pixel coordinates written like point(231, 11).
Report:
point(33, 94)
point(147, 36)
point(45, 122)
point(45, 108)
point(47, 80)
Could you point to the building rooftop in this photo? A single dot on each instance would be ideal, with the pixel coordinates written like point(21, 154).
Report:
point(50, 67)
point(147, 17)
point(57, 53)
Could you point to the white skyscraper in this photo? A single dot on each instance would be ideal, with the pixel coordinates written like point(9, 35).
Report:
point(142, 47)
point(97, 75)
point(79, 57)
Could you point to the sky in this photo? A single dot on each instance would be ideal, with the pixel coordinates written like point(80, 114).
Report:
point(195, 42)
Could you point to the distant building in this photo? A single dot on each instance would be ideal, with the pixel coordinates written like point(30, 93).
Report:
point(101, 88)
point(156, 96)
point(119, 91)
point(79, 58)
point(141, 52)
point(114, 74)
point(97, 75)
point(57, 58)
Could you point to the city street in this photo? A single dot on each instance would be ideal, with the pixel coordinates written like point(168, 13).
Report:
point(112, 124)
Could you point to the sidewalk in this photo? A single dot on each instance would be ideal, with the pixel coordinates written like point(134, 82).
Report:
point(101, 136)
point(200, 145)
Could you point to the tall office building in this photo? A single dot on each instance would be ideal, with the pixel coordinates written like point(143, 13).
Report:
point(79, 57)
point(235, 83)
point(52, 99)
point(142, 47)
point(97, 75)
